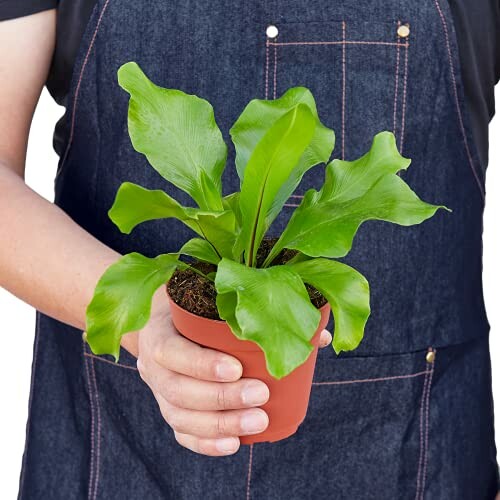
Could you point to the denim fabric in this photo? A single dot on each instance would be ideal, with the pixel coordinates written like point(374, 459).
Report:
point(383, 422)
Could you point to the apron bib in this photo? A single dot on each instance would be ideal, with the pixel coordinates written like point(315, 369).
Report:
point(408, 415)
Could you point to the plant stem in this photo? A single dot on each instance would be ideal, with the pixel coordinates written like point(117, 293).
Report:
point(211, 244)
point(272, 255)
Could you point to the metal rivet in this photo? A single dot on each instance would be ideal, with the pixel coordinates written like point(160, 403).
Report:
point(430, 357)
point(403, 31)
point(272, 31)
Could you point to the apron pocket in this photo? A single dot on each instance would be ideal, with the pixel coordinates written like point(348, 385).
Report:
point(365, 435)
point(357, 72)
point(133, 452)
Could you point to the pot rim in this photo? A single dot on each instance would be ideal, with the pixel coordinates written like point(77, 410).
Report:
point(222, 321)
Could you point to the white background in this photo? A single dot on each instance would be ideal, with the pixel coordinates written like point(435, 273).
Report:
point(17, 319)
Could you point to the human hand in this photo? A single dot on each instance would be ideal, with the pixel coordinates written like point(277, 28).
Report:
point(200, 391)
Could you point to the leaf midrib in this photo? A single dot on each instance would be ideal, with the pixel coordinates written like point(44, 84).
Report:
point(337, 219)
point(264, 185)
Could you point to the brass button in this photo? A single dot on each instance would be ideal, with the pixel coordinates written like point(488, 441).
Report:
point(272, 31)
point(430, 357)
point(403, 31)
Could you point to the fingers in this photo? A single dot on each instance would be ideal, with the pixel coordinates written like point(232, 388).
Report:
point(189, 393)
point(201, 394)
point(325, 339)
point(213, 424)
point(180, 355)
point(211, 447)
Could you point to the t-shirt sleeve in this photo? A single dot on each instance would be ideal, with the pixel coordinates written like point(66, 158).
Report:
point(497, 62)
point(10, 9)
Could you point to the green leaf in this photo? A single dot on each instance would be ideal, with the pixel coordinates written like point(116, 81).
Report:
point(328, 228)
point(325, 223)
point(134, 204)
point(348, 293)
point(260, 115)
point(122, 299)
point(257, 119)
point(232, 202)
point(219, 230)
point(346, 180)
point(178, 134)
point(200, 249)
point(270, 307)
point(270, 165)
point(226, 305)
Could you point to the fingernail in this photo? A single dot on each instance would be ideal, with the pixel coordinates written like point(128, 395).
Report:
point(228, 370)
point(326, 338)
point(255, 394)
point(226, 445)
point(253, 422)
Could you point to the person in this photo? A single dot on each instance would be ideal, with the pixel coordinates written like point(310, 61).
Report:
point(408, 414)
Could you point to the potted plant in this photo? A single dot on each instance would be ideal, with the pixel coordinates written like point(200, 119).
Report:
point(264, 301)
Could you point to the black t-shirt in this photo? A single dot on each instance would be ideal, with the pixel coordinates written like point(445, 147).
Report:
point(477, 25)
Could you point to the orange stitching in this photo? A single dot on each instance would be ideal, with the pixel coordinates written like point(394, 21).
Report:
point(30, 402)
point(267, 69)
point(103, 360)
point(92, 426)
point(77, 90)
point(343, 85)
point(421, 430)
point(275, 70)
point(426, 441)
point(340, 42)
point(403, 105)
point(457, 102)
point(396, 85)
point(249, 477)
point(380, 379)
point(98, 450)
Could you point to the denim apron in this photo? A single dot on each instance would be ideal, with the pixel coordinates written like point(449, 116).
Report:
point(408, 415)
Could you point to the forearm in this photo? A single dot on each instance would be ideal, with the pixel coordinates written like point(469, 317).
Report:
point(46, 259)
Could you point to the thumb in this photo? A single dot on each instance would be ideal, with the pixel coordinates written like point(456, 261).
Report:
point(325, 338)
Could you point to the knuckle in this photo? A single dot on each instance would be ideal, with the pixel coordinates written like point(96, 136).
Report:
point(159, 355)
point(204, 447)
point(201, 365)
point(165, 351)
point(165, 414)
point(173, 419)
point(221, 425)
point(222, 399)
point(181, 439)
point(172, 392)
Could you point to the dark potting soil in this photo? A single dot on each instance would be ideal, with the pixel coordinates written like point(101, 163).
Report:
point(195, 293)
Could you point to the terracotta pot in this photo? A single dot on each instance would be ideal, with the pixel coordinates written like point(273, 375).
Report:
point(289, 396)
